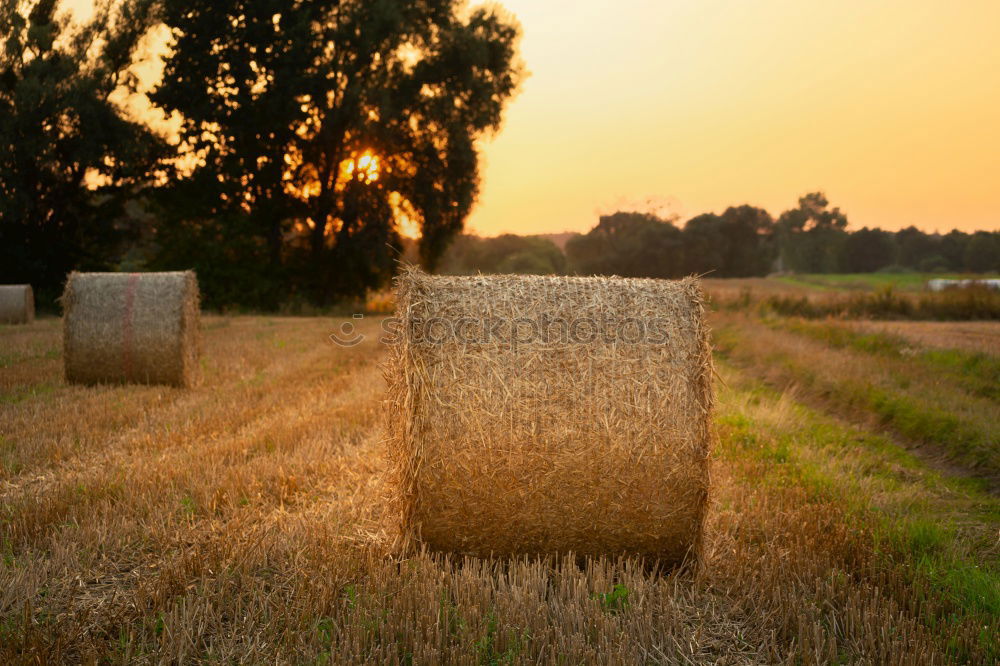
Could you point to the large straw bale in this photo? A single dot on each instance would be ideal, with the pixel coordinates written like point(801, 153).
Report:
point(131, 328)
point(17, 304)
point(543, 439)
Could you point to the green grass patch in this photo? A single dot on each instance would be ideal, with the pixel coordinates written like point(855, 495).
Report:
point(974, 372)
point(616, 600)
point(26, 393)
point(488, 652)
point(913, 415)
point(909, 281)
point(9, 359)
point(919, 520)
point(885, 302)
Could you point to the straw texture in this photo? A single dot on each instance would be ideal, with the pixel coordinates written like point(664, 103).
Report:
point(131, 328)
point(549, 440)
point(17, 304)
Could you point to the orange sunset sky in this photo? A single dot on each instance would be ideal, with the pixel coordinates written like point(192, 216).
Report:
point(892, 107)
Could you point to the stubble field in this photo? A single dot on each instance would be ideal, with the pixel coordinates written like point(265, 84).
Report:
point(853, 515)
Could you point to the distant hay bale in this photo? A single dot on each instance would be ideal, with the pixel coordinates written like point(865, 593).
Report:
point(17, 304)
point(131, 328)
point(580, 425)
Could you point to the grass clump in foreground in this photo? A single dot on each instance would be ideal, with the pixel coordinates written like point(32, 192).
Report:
point(972, 303)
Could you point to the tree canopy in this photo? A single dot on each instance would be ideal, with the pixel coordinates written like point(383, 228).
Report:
point(67, 156)
point(737, 243)
point(629, 244)
point(507, 253)
point(811, 236)
point(319, 126)
point(742, 241)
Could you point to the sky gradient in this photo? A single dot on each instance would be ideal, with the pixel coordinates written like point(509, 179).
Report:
point(892, 107)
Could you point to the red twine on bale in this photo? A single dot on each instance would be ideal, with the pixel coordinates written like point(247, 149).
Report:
point(133, 283)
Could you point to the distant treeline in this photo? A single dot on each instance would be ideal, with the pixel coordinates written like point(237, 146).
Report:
point(743, 241)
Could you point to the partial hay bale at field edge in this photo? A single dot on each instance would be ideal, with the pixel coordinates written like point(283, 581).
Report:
point(551, 440)
point(17, 304)
point(131, 328)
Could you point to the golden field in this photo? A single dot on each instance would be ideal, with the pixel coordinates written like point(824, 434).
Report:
point(853, 514)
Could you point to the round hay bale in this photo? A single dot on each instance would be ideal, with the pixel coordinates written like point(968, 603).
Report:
point(539, 415)
point(17, 304)
point(131, 328)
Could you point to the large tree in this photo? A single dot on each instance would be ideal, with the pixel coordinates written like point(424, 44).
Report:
point(982, 253)
point(628, 244)
point(811, 235)
point(67, 157)
point(319, 125)
point(868, 250)
point(914, 248)
point(737, 243)
point(507, 253)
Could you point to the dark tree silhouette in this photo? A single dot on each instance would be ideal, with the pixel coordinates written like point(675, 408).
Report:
point(67, 158)
point(738, 243)
point(322, 123)
point(914, 247)
point(507, 253)
point(809, 237)
point(868, 250)
point(982, 253)
point(629, 245)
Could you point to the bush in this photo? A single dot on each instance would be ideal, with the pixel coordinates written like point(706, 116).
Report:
point(971, 303)
point(933, 264)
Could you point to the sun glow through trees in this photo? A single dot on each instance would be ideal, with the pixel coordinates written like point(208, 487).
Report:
point(365, 168)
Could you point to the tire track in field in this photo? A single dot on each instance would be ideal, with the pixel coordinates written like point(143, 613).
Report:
point(783, 359)
point(146, 537)
point(72, 421)
point(149, 419)
point(136, 483)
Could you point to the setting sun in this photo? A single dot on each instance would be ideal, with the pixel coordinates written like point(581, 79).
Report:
point(364, 168)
